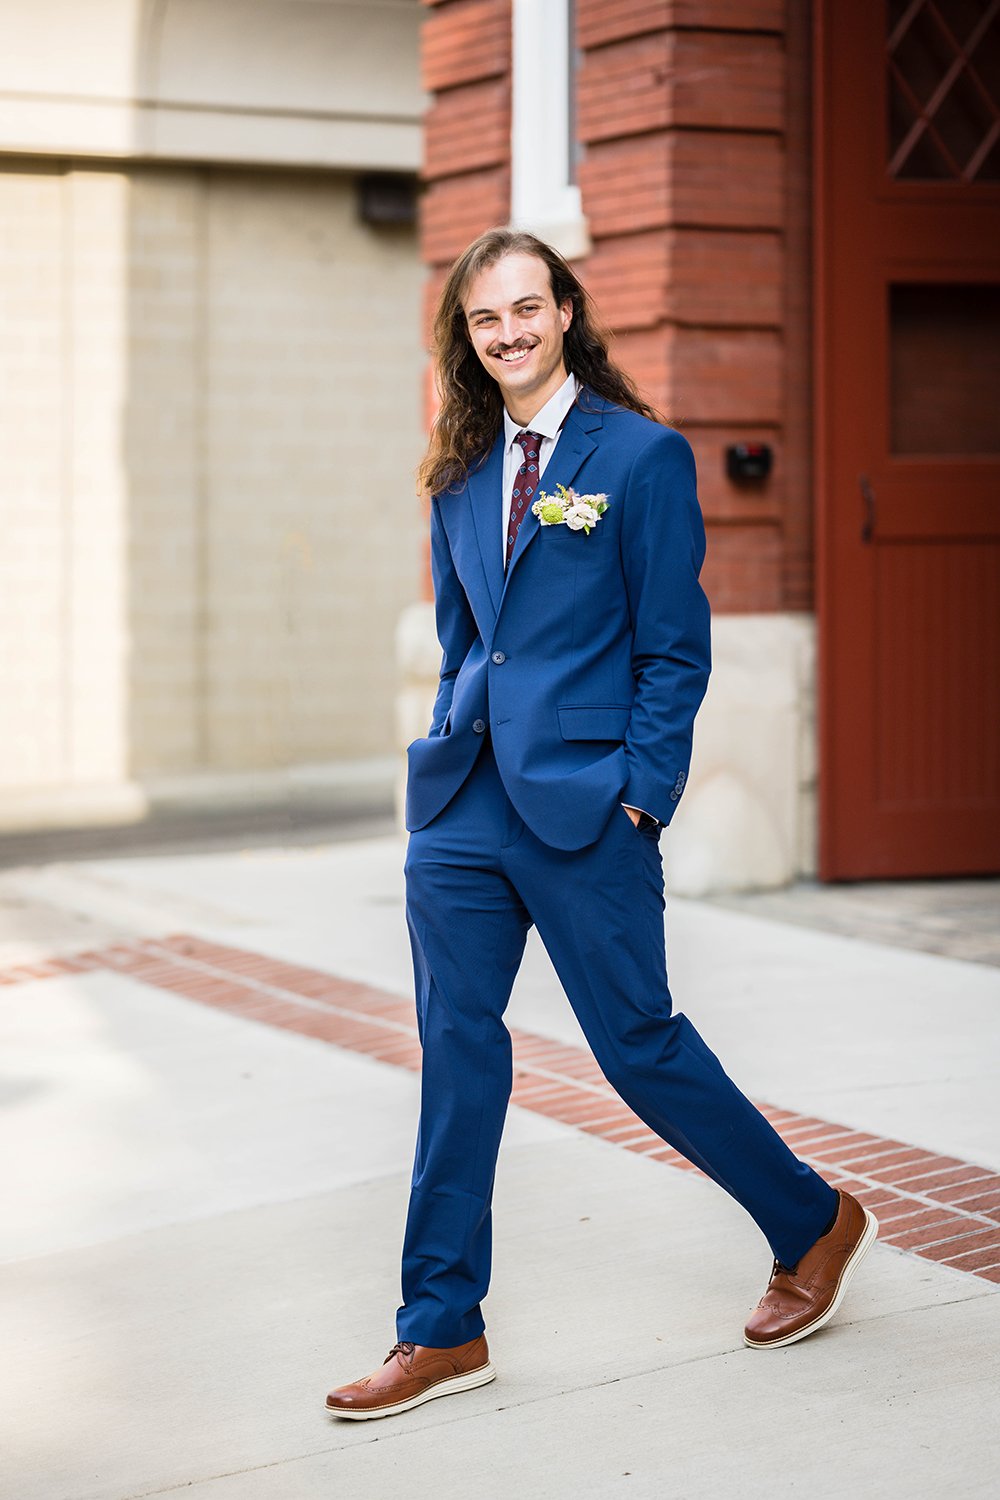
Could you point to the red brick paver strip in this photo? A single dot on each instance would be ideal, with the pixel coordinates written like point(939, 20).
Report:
point(971, 1189)
point(929, 1205)
point(975, 1260)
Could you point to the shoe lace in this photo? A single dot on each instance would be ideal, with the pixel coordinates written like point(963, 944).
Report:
point(780, 1268)
point(403, 1347)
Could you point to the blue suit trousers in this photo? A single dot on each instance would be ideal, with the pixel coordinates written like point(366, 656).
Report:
point(476, 880)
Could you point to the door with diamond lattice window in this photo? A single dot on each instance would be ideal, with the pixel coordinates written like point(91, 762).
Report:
point(907, 240)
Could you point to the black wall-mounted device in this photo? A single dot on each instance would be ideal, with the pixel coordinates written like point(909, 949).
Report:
point(748, 461)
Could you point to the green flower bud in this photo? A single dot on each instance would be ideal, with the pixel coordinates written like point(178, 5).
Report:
point(552, 513)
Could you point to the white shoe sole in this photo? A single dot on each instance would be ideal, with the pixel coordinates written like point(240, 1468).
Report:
point(467, 1382)
point(862, 1248)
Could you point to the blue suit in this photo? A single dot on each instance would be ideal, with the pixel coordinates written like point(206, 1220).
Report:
point(590, 658)
point(568, 686)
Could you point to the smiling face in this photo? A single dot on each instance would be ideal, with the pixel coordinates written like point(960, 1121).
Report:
point(516, 329)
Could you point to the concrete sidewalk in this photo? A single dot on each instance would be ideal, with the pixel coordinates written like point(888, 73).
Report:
point(203, 1218)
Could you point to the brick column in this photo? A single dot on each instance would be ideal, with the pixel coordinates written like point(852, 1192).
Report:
point(695, 177)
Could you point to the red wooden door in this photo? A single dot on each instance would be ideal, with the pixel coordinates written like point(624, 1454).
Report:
point(908, 435)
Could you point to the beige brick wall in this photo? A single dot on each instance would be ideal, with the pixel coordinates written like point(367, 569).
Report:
point(306, 83)
point(34, 741)
point(210, 428)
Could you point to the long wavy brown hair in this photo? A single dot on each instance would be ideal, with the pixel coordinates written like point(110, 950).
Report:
point(471, 410)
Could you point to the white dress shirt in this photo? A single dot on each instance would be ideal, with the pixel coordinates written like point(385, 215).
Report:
point(546, 423)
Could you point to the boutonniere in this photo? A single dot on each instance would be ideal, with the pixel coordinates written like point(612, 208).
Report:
point(567, 508)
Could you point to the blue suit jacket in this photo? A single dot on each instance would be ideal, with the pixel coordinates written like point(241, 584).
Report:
point(589, 658)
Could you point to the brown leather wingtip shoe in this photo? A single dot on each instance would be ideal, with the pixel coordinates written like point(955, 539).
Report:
point(411, 1374)
point(800, 1299)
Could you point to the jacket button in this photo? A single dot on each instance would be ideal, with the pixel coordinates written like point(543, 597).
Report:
point(498, 658)
point(479, 725)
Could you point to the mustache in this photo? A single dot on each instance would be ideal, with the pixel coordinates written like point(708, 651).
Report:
point(506, 348)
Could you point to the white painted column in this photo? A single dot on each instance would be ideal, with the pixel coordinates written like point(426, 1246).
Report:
point(544, 198)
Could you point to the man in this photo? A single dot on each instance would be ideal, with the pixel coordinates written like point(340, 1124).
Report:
point(575, 639)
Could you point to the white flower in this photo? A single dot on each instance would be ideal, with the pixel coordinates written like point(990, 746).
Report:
point(566, 507)
point(579, 515)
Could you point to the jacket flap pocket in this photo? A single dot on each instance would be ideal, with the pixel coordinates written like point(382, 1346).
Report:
point(585, 722)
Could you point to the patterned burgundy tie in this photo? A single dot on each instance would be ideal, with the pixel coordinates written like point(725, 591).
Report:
point(525, 485)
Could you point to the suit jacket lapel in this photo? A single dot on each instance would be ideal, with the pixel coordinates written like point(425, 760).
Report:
point(572, 447)
point(485, 491)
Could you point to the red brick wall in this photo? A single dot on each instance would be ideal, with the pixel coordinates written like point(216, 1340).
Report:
point(693, 115)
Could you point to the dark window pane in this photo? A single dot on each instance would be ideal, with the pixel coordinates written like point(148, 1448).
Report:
point(944, 343)
point(943, 91)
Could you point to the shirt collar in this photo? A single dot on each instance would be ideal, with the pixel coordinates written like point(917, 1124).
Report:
point(548, 421)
